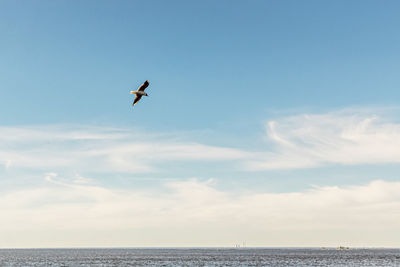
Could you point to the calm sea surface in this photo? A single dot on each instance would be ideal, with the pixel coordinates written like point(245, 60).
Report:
point(200, 257)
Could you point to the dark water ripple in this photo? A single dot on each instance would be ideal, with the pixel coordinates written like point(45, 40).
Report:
point(199, 257)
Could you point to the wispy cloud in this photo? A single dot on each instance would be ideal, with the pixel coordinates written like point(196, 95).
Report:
point(344, 137)
point(100, 149)
point(72, 213)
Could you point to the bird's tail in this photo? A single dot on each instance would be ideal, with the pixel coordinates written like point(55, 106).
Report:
point(132, 92)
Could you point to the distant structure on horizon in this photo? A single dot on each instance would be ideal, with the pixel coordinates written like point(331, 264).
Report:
point(238, 245)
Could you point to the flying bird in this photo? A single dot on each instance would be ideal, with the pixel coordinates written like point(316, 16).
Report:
point(140, 92)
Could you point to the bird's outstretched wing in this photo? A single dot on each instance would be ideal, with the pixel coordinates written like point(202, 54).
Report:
point(143, 86)
point(137, 98)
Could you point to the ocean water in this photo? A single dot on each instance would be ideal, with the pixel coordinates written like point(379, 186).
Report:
point(200, 257)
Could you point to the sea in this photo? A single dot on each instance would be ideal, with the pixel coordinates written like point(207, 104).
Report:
point(200, 257)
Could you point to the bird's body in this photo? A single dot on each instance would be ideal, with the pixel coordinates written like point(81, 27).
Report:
point(140, 92)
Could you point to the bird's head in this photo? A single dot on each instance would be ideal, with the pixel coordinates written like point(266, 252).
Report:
point(146, 94)
point(132, 92)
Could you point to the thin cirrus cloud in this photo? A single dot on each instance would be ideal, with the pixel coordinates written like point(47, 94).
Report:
point(99, 149)
point(77, 212)
point(345, 137)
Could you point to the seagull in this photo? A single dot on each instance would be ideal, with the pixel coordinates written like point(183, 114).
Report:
point(140, 92)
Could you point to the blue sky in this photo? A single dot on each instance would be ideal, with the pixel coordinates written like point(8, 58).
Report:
point(322, 55)
point(248, 102)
